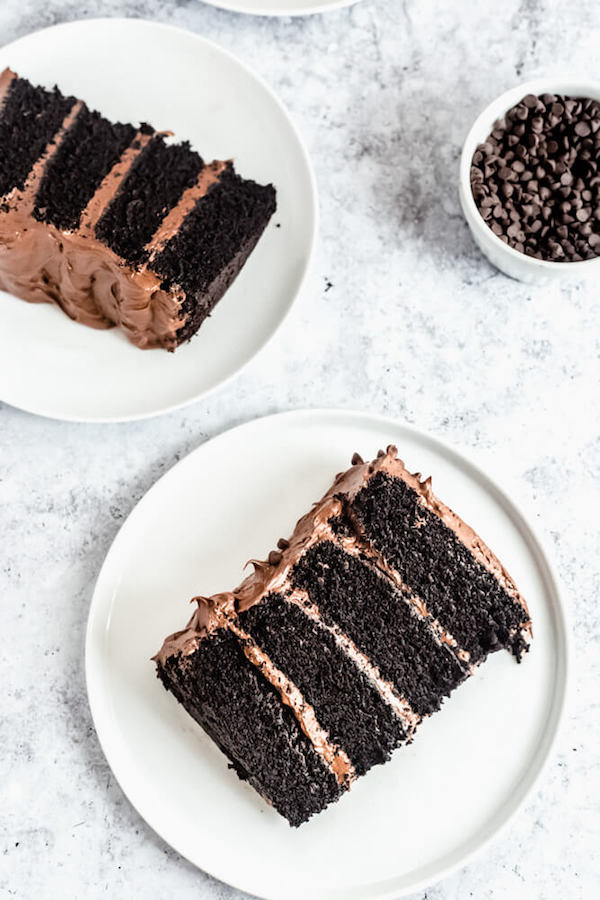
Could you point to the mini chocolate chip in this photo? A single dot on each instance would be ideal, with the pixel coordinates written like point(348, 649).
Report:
point(506, 174)
point(537, 124)
point(530, 101)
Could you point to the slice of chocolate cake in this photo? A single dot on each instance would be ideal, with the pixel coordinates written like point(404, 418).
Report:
point(326, 658)
point(115, 224)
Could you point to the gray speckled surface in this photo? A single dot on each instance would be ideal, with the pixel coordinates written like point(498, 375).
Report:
point(401, 316)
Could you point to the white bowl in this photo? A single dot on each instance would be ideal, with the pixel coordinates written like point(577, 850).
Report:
point(512, 262)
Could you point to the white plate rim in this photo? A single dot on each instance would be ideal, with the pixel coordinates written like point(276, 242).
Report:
point(312, 212)
point(385, 891)
point(295, 12)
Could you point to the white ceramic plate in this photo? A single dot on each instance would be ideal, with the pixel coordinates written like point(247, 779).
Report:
point(281, 7)
point(405, 824)
point(134, 70)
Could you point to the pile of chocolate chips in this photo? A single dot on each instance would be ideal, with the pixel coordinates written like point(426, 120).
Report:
point(536, 179)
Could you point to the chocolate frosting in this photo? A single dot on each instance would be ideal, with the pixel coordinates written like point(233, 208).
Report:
point(6, 78)
point(76, 271)
point(268, 576)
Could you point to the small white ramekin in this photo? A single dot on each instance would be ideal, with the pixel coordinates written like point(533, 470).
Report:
point(510, 261)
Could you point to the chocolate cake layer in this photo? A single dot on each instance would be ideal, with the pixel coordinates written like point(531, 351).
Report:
point(29, 120)
point(357, 643)
point(244, 715)
point(91, 214)
point(436, 565)
point(218, 235)
point(91, 148)
point(328, 679)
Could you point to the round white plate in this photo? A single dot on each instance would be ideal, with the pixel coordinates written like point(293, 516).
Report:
point(280, 7)
point(133, 70)
point(405, 824)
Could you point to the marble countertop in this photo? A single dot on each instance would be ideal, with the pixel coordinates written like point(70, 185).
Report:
point(403, 317)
